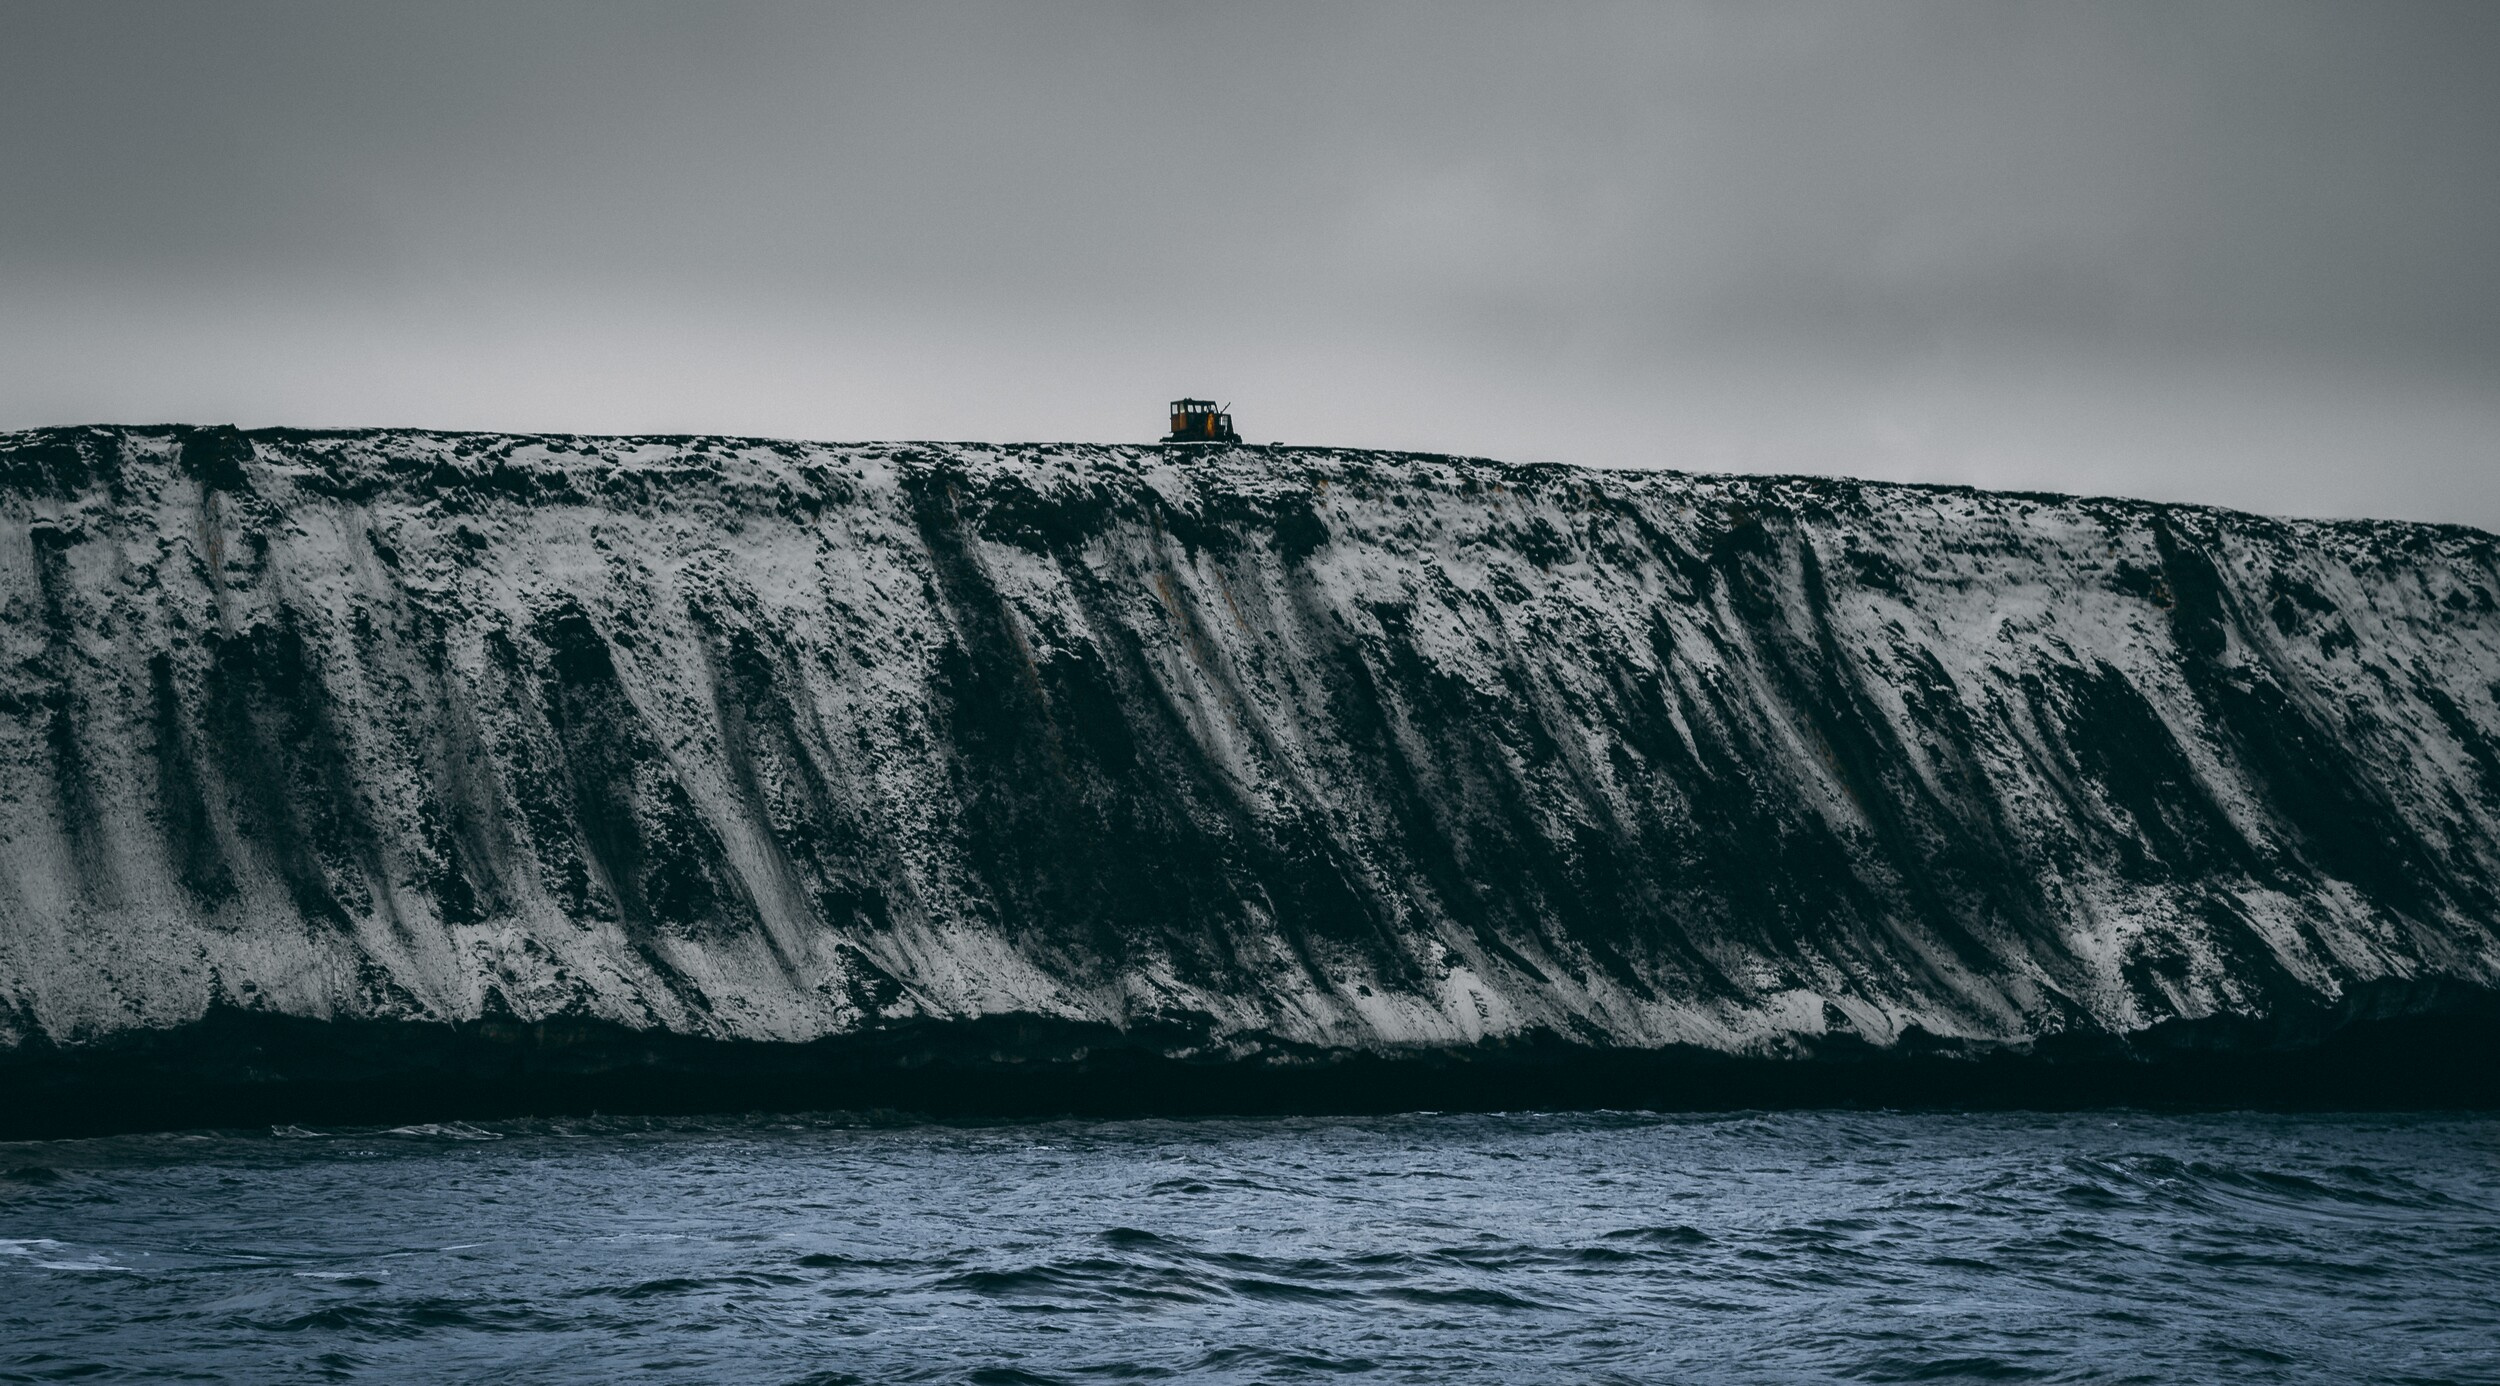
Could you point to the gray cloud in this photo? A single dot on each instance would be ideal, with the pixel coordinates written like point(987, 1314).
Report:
point(2228, 252)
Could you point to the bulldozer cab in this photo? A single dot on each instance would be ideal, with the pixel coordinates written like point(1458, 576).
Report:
point(1199, 421)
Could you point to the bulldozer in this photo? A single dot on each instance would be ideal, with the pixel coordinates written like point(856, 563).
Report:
point(1199, 421)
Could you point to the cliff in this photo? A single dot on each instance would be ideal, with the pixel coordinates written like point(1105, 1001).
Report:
point(1247, 756)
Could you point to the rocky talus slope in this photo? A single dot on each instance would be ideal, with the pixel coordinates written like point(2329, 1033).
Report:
point(1238, 756)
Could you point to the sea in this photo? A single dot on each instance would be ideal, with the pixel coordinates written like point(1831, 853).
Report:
point(1592, 1247)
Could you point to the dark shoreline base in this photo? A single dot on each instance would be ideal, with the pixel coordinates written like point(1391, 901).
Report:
point(236, 1069)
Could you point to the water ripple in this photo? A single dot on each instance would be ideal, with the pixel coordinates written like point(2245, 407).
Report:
point(1598, 1247)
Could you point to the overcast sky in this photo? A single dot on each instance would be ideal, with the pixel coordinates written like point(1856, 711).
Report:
point(2238, 253)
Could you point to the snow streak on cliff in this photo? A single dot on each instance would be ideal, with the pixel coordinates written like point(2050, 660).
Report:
point(1294, 748)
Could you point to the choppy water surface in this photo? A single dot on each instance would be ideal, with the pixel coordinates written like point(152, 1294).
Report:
point(1880, 1247)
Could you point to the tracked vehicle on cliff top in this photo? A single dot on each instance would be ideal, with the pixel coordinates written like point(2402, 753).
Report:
point(1199, 421)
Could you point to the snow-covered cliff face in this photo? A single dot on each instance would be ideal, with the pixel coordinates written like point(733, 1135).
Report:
point(775, 741)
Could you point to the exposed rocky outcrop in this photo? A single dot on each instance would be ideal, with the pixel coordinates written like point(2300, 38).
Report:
point(1256, 754)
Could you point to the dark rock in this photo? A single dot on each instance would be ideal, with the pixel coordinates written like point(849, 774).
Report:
point(1310, 778)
